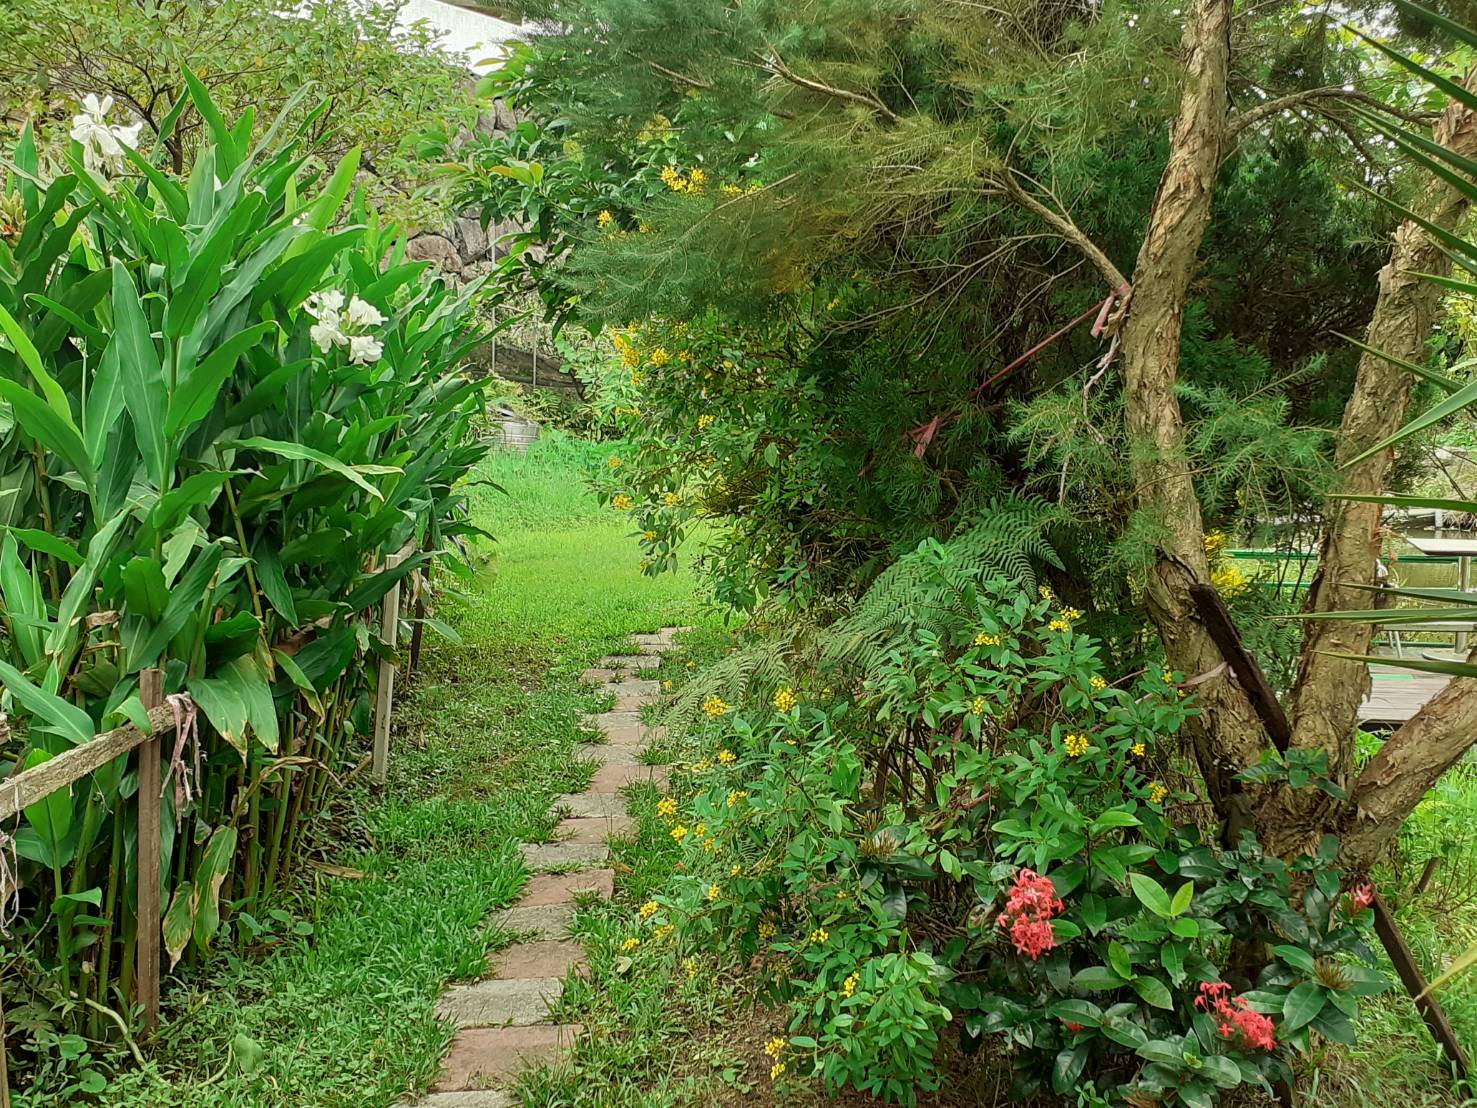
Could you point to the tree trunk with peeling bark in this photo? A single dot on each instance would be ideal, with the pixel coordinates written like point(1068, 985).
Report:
point(1227, 734)
point(1328, 691)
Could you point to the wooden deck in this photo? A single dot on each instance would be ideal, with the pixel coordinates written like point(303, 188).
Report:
point(1398, 694)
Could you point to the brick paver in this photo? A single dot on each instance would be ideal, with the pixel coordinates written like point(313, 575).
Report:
point(504, 1019)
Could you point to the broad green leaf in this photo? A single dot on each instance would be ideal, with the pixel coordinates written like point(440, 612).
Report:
point(1097, 978)
point(215, 864)
point(51, 816)
point(47, 543)
point(1084, 1012)
point(1459, 965)
point(144, 391)
point(248, 679)
point(220, 699)
point(1302, 1005)
point(60, 716)
point(1181, 903)
point(179, 921)
point(1120, 961)
point(1153, 991)
point(1296, 957)
point(198, 392)
point(144, 588)
point(57, 434)
point(56, 397)
point(1151, 894)
point(298, 452)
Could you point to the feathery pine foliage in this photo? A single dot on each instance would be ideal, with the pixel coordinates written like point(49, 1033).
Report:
point(818, 235)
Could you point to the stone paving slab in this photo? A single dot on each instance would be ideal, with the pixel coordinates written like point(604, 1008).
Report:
point(544, 958)
point(480, 1056)
point(543, 856)
point(630, 735)
point(606, 720)
point(594, 829)
point(665, 637)
point(632, 687)
point(635, 702)
point(612, 779)
point(600, 676)
point(471, 1098)
point(590, 804)
point(631, 661)
point(501, 1002)
point(545, 921)
point(564, 888)
point(608, 754)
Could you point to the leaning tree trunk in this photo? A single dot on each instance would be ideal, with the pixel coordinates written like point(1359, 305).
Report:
point(1227, 733)
point(1326, 697)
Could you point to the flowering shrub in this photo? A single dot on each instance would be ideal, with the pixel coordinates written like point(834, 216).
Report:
point(977, 843)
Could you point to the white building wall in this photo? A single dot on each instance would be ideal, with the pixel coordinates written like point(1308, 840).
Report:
point(477, 36)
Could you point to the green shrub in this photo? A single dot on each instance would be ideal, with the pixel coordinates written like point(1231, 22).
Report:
point(224, 400)
point(985, 840)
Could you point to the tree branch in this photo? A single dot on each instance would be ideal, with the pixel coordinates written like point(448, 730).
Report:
point(1312, 96)
point(1061, 222)
point(775, 64)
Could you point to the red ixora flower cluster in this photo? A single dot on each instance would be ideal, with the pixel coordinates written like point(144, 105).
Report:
point(1234, 1016)
point(1361, 897)
point(1033, 901)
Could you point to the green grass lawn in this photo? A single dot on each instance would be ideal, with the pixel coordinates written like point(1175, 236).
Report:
point(333, 1007)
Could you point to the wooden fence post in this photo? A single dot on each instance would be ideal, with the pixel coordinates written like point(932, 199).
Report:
point(4, 1066)
point(151, 692)
point(390, 633)
point(1415, 984)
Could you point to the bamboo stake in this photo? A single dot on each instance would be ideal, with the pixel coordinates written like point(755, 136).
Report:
point(4, 1065)
point(151, 692)
point(1415, 984)
point(389, 632)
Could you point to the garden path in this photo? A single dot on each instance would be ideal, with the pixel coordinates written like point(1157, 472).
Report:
point(503, 1020)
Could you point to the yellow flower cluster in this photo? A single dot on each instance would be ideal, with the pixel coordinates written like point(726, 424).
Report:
point(1060, 624)
point(629, 357)
point(672, 499)
point(732, 190)
point(1071, 614)
point(679, 832)
point(636, 380)
point(630, 944)
point(690, 968)
point(605, 218)
point(1044, 592)
point(819, 935)
point(615, 462)
point(660, 357)
point(1157, 793)
point(649, 909)
point(1169, 677)
point(1229, 580)
point(834, 304)
point(704, 422)
point(702, 766)
point(735, 869)
point(727, 757)
point(775, 1047)
point(984, 638)
point(666, 807)
point(662, 933)
point(977, 706)
point(622, 503)
point(692, 184)
point(1215, 544)
point(777, 1071)
point(785, 699)
point(849, 985)
point(1098, 683)
point(649, 536)
point(767, 930)
point(735, 798)
point(667, 685)
point(714, 892)
point(1137, 750)
point(715, 707)
point(1077, 745)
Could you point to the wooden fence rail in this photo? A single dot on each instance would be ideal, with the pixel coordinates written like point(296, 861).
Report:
point(33, 785)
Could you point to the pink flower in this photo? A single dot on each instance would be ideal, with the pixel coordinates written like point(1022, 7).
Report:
point(1361, 897)
point(1234, 1016)
point(1028, 911)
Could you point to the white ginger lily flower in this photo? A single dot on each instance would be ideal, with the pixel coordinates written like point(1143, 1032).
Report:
point(364, 314)
point(365, 349)
point(102, 142)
